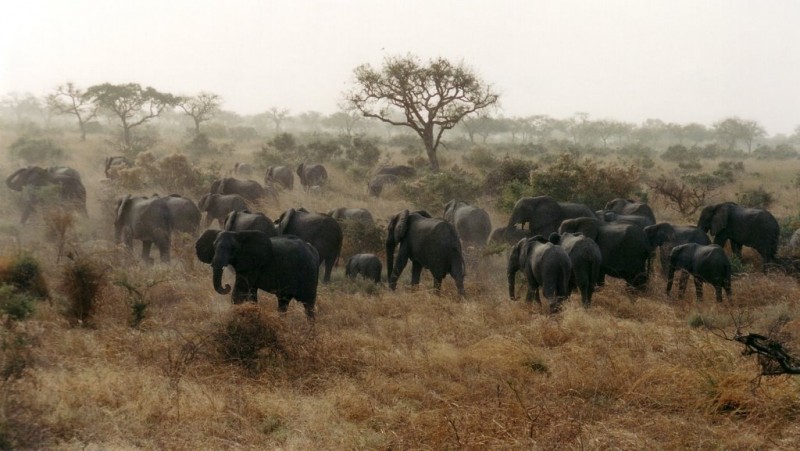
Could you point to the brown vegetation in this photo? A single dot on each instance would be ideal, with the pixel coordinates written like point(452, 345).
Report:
point(379, 369)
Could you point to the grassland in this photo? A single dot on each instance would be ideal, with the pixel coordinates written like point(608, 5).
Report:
point(388, 370)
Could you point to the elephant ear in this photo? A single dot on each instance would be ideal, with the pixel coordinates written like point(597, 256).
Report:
point(448, 207)
point(215, 187)
point(423, 213)
point(16, 180)
point(253, 249)
point(230, 220)
point(515, 255)
point(301, 172)
point(554, 238)
point(720, 219)
point(202, 204)
point(204, 246)
point(285, 220)
point(546, 213)
point(401, 227)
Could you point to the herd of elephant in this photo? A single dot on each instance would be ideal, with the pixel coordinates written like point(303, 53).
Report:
point(559, 246)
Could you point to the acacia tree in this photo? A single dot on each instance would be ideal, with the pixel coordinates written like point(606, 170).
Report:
point(431, 98)
point(277, 116)
point(200, 108)
point(733, 129)
point(69, 99)
point(131, 103)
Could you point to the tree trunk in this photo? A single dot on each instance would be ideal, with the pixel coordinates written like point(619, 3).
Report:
point(427, 139)
point(196, 127)
point(82, 125)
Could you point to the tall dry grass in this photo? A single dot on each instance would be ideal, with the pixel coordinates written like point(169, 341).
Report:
point(380, 369)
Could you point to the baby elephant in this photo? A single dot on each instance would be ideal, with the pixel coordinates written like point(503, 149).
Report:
point(368, 265)
point(706, 263)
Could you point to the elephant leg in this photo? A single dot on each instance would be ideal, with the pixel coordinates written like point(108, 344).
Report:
point(533, 291)
point(240, 291)
point(163, 251)
point(416, 273)
point(399, 266)
point(698, 288)
point(328, 268)
point(736, 248)
point(586, 294)
point(283, 304)
point(437, 284)
point(682, 282)
point(309, 309)
point(718, 292)
point(26, 213)
point(146, 245)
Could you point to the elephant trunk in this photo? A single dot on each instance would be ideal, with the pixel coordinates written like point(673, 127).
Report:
point(14, 181)
point(218, 281)
point(390, 245)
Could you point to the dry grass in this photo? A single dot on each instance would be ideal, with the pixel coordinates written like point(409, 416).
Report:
point(380, 369)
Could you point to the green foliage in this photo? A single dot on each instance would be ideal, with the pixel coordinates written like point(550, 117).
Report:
point(728, 170)
point(24, 273)
point(138, 298)
point(757, 198)
point(284, 142)
point(586, 181)
point(506, 171)
point(363, 151)
point(35, 150)
point(482, 159)
point(172, 174)
point(201, 146)
point(18, 305)
point(782, 151)
point(321, 151)
point(360, 238)
point(738, 267)
point(82, 280)
point(678, 153)
point(430, 192)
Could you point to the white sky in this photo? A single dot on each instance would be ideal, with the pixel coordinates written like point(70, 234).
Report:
point(676, 60)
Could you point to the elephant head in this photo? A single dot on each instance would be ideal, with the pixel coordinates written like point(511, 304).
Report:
point(660, 233)
point(714, 218)
point(517, 259)
point(223, 248)
point(301, 172)
point(215, 186)
point(29, 176)
point(589, 227)
point(396, 232)
point(450, 209)
point(123, 208)
point(544, 210)
point(284, 220)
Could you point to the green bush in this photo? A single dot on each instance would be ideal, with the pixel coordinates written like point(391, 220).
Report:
point(360, 238)
point(363, 151)
point(506, 171)
point(172, 174)
point(82, 280)
point(756, 198)
point(24, 273)
point(35, 150)
point(482, 159)
point(17, 304)
point(432, 191)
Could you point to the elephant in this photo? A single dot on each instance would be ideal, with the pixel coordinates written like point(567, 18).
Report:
point(545, 264)
point(67, 181)
point(752, 227)
point(612, 216)
point(472, 223)
point(368, 265)
point(361, 215)
point(322, 231)
point(249, 189)
point(428, 243)
point(241, 220)
point(624, 248)
point(217, 206)
point(285, 266)
point(543, 214)
point(377, 183)
point(312, 175)
point(283, 175)
point(629, 207)
point(113, 164)
point(147, 219)
point(243, 169)
point(706, 263)
point(586, 259)
point(401, 170)
point(185, 214)
point(504, 235)
point(665, 236)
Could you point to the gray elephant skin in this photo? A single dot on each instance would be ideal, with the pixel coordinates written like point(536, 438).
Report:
point(472, 223)
point(322, 231)
point(241, 220)
point(399, 170)
point(504, 235)
point(71, 192)
point(624, 248)
point(612, 216)
point(706, 263)
point(147, 219)
point(249, 189)
point(751, 227)
point(544, 215)
point(368, 266)
point(545, 264)
point(629, 207)
point(312, 175)
point(428, 243)
point(217, 206)
point(285, 266)
point(282, 175)
point(377, 183)
point(586, 259)
point(185, 214)
point(665, 236)
point(361, 215)
point(243, 169)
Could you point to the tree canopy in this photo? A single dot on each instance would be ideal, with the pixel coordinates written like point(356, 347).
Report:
point(200, 108)
point(431, 98)
point(69, 99)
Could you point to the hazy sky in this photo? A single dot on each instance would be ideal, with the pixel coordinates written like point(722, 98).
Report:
point(676, 60)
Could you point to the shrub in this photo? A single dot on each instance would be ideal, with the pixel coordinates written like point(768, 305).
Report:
point(35, 150)
point(363, 151)
point(24, 274)
point(173, 174)
point(201, 146)
point(728, 170)
point(687, 194)
point(360, 237)
point(679, 153)
point(82, 280)
point(757, 198)
point(508, 170)
point(587, 181)
point(431, 191)
point(16, 304)
point(246, 334)
point(284, 142)
point(482, 159)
